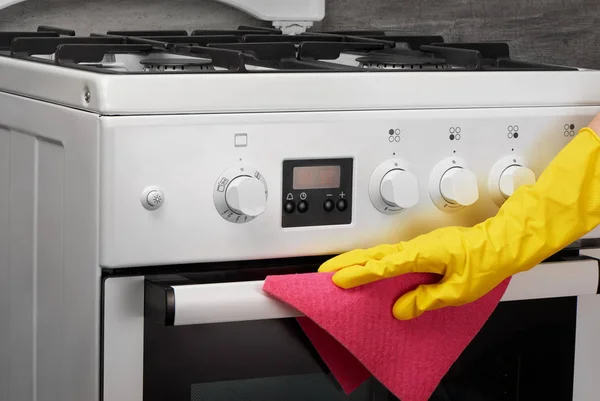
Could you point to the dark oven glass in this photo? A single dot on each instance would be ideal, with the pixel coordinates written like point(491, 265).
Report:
point(249, 361)
point(524, 352)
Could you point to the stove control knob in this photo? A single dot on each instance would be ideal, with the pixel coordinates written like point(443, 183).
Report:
point(240, 194)
point(459, 186)
point(507, 175)
point(513, 177)
point(400, 189)
point(393, 187)
point(246, 196)
point(452, 185)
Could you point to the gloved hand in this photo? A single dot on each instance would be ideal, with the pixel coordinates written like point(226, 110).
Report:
point(534, 223)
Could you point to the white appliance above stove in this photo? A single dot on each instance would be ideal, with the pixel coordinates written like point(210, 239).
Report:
point(291, 16)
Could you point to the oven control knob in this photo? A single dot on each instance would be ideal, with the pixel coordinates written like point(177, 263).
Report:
point(459, 186)
point(246, 196)
point(453, 185)
point(513, 177)
point(507, 175)
point(400, 189)
point(240, 194)
point(393, 187)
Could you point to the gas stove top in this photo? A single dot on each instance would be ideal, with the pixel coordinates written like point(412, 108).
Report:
point(255, 49)
point(256, 69)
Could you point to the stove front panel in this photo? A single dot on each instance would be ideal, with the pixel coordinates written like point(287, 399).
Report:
point(204, 188)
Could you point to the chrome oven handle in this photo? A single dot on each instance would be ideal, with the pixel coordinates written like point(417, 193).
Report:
point(179, 305)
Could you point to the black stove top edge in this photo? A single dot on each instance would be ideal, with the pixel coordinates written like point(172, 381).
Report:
point(263, 50)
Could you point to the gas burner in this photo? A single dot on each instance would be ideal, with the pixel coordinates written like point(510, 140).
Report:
point(399, 62)
point(407, 67)
point(161, 64)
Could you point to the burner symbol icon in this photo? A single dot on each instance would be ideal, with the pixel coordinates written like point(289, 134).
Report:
point(513, 131)
point(455, 133)
point(394, 135)
point(569, 130)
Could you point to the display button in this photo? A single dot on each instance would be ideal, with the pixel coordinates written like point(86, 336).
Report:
point(289, 207)
point(302, 206)
point(329, 205)
point(342, 205)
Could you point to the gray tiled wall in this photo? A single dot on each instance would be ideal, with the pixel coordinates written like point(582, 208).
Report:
point(554, 31)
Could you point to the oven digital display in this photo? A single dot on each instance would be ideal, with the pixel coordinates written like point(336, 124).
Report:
point(316, 177)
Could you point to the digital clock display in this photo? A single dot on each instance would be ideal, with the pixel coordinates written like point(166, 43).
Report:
point(316, 177)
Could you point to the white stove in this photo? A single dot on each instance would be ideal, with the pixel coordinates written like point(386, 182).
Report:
point(129, 157)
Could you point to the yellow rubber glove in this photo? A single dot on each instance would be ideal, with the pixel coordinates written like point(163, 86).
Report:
point(534, 223)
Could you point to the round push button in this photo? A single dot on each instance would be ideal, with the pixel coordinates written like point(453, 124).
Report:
point(341, 205)
point(328, 205)
point(302, 206)
point(289, 207)
point(152, 198)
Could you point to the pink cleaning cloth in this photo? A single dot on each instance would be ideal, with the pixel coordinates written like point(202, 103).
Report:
point(357, 336)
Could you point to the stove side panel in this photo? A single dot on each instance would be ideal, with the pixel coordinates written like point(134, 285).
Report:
point(49, 276)
point(4, 277)
point(20, 297)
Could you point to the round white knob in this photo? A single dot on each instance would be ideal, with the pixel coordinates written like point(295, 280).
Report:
point(399, 188)
point(459, 186)
point(513, 177)
point(246, 196)
point(152, 198)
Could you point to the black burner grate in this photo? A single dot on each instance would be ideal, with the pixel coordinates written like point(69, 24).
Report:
point(258, 50)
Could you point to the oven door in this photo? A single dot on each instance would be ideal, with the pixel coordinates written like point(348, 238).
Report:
point(215, 336)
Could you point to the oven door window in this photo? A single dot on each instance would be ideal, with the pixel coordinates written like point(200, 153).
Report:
point(525, 351)
point(250, 361)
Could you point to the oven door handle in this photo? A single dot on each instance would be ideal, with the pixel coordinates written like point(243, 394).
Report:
point(176, 304)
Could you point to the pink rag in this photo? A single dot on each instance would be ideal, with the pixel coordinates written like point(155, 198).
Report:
point(357, 336)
